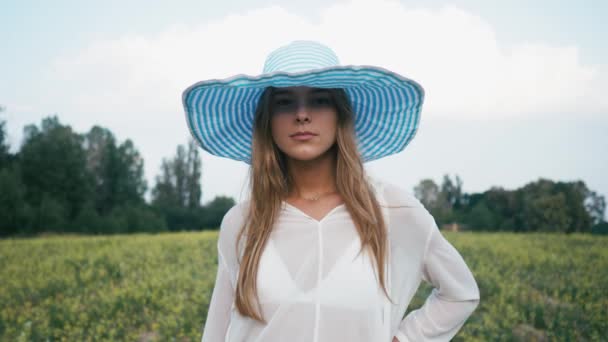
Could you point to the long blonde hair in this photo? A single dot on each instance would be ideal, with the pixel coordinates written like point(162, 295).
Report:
point(270, 183)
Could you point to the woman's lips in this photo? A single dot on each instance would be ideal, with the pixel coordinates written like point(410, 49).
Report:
point(303, 136)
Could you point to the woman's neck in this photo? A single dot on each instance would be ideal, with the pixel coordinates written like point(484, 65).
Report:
point(313, 176)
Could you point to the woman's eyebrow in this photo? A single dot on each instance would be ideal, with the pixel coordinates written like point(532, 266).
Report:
point(314, 91)
point(282, 92)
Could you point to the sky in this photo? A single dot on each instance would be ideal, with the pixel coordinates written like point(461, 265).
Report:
point(514, 89)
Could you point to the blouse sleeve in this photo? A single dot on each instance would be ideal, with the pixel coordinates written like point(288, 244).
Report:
point(454, 297)
point(218, 314)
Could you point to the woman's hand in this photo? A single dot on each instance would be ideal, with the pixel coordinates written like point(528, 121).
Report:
point(395, 339)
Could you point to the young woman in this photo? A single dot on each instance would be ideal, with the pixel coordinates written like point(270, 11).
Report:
point(321, 252)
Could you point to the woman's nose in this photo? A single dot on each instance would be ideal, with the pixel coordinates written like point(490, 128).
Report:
point(302, 114)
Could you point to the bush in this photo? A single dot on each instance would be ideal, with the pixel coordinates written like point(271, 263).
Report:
point(13, 210)
point(88, 220)
point(49, 216)
point(132, 218)
point(600, 228)
point(214, 211)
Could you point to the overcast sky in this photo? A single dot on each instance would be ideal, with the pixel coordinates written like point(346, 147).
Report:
point(514, 90)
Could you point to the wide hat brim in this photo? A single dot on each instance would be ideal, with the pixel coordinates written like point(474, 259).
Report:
point(386, 105)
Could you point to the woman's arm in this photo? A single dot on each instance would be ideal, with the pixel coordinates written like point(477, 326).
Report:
point(218, 315)
point(454, 298)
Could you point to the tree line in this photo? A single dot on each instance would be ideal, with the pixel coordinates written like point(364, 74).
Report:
point(542, 205)
point(63, 181)
point(68, 182)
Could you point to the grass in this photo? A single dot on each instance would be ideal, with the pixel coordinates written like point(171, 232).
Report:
point(144, 287)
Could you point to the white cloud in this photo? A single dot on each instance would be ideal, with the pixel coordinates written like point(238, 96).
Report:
point(452, 53)
point(133, 84)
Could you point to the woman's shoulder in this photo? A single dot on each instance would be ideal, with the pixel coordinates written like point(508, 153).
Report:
point(403, 204)
point(235, 216)
point(395, 195)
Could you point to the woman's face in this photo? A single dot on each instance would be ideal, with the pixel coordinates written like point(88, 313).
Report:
point(303, 121)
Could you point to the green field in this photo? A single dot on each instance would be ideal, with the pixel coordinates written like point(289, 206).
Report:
point(157, 287)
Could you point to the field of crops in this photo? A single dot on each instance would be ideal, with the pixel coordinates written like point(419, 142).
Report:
point(157, 287)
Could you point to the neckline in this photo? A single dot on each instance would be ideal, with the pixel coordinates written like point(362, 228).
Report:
point(301, 212)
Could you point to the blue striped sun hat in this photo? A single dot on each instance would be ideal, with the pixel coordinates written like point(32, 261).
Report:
point(386, 105)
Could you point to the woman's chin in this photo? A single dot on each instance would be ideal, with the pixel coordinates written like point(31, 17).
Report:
point(305, 156)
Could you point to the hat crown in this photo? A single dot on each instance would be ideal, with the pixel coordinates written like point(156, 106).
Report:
point(299, 56)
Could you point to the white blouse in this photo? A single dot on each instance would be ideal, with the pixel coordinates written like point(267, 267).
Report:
point(313, 285)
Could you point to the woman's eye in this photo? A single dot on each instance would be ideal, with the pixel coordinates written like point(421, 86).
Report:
point(283, 102)
point(321, 101)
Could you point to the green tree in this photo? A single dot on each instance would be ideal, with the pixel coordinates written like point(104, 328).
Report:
point(51, 215)
point(14, 211)
point(443, 202)
point(100, 149)
point(53, 167)
point(547, 213)
point(117, 171)
point(177, 191)
point(135, 218)
point(505, 206)
point(561, 204)
point(600, 228)
point(193, 180)
point(575, 196)
point(88, 220)
point(215, 210)
point(179, 183)
point(596, 206)
point(427, 192)
point(4, 147)
point(482, 218)
point(451, 192)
